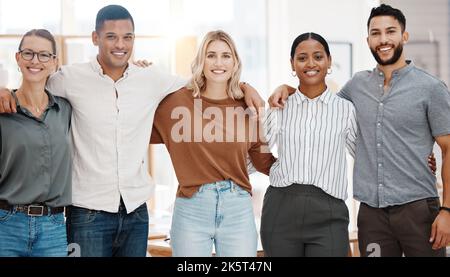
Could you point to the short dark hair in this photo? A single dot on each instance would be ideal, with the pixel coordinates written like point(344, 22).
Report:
point(42, 33)
point(112, 12)
point(387, 10)
point(306, 36)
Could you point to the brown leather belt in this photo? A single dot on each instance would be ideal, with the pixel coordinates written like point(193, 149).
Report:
point(32, 209)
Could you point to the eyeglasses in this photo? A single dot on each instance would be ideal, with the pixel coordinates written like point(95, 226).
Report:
point(43, 56)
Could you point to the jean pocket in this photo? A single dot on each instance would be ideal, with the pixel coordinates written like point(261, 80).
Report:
point(57, 219)
point(81, 216)
point(340, 209)
point(240, 191)
point(5, 215)
point(141, 213)
point(198, 193)
point(362, 214)
point(433, 207)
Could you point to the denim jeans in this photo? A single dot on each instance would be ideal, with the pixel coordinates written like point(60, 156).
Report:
point(219, 214)
point(32, 236)
point(103, 234)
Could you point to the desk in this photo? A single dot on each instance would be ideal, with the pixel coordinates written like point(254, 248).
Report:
point(161, 248)
point(158, 246)
point(353, 250)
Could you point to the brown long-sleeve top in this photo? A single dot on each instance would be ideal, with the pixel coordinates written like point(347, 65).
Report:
point(209, 140)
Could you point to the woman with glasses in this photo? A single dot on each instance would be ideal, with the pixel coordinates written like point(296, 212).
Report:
point(35, 160)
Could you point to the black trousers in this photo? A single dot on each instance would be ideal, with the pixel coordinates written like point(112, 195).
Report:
point(303, 221)
point(398, 230)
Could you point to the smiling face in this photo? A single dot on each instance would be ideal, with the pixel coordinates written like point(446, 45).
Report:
point(219, 62)
point(386, 40)
point(115, 42)
point(310, 63)
point(35, 70)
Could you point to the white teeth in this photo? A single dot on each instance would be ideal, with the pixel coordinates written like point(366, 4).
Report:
point(385, 49)
point(312, 72)
point(34, 69)
point(218, 71)
point(119, 54)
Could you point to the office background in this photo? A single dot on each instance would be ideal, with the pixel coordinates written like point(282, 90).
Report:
point(169, 31)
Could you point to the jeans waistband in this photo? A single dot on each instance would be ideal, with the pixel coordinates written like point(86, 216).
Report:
point(219, 185)
point(31, 209)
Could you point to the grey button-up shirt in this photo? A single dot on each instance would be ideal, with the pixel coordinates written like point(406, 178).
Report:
point(396, 134)
point(35, 155)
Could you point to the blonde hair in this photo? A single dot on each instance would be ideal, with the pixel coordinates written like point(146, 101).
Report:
point(198, 80)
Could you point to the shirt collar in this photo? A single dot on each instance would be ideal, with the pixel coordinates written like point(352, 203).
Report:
point(401, 71)
point(52, 103)
point(299, 97)
point(98, 68)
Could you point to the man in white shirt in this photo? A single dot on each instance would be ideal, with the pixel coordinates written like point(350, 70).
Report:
point(113, 107)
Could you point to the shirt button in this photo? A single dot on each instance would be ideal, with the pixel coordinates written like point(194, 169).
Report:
point(381, 104)
point(378, 144)
point(380, 165)
point(380, 185)
point(380, 85)
point(378, 124)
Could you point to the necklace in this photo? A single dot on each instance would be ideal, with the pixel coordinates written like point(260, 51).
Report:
point(38, 108)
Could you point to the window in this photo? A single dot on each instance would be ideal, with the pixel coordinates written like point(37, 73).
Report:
point(19, 16)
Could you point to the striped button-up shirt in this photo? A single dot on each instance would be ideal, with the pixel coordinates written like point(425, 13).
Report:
point(311, 136)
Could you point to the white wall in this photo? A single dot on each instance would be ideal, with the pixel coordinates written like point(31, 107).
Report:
point(343, 20)
point(428, 20)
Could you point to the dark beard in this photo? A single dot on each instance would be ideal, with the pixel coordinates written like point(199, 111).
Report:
point(397, 53)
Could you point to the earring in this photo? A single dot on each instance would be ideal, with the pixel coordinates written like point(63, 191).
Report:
point(293, 73)
point(18, 69)
point(329, 70)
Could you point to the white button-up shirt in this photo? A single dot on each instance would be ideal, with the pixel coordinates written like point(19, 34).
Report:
point(111, 128)
point(311, 136)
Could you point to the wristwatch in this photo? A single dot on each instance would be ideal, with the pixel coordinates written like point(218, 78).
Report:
point(444, 208)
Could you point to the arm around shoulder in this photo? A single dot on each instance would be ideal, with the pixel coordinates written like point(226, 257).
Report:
point(7, 102)
point(56, 83)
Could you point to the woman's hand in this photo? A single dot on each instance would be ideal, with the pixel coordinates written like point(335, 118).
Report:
point(142, 63)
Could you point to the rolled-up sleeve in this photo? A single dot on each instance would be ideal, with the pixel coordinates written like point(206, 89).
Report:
point(439, 111)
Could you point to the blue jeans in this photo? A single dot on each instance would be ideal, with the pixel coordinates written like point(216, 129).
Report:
point(103, 234)
point(32, 236)
point(220, 213)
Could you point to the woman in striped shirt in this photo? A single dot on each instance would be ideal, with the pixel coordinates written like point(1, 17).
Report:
point(304, 213)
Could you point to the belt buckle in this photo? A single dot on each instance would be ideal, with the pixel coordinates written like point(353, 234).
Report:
point(41, 213)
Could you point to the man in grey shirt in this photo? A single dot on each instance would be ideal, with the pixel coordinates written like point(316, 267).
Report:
point(401, 112)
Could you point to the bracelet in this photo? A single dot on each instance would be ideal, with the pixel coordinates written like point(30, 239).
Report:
point(444, 208)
